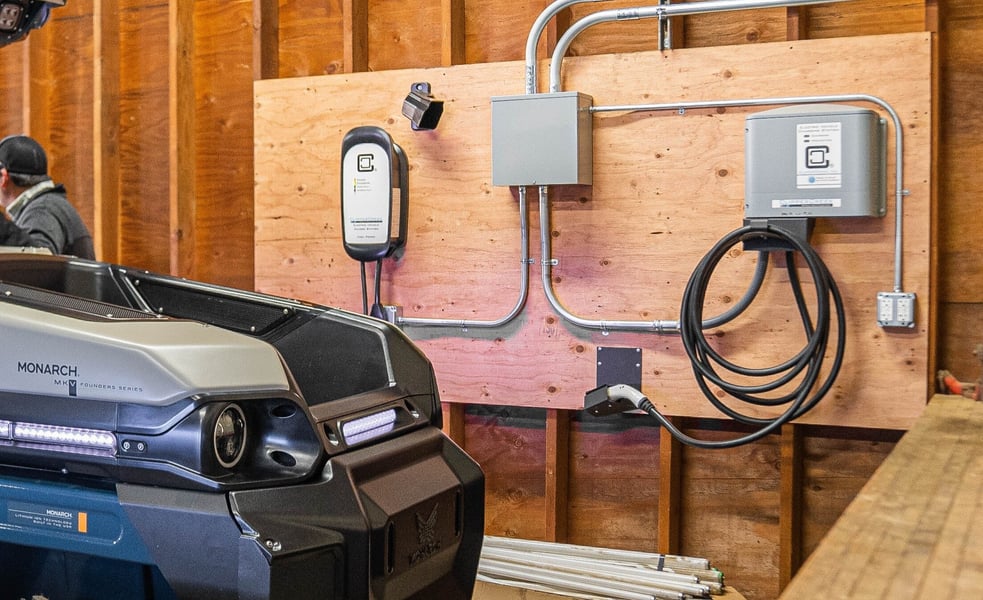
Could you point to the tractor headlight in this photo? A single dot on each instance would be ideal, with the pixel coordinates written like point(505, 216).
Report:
point(229, 436)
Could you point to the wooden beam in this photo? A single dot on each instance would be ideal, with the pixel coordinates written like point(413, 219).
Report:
point(557, 473)
point(670, 482)
point(932, 16)
point(25, 84)
point(356, 35)
point(677, 33)
point(181, 121)
point(454, 422)
point(452, 39)
point(106, 129)
point(932, 23)
point(266, 39)
point(797, 23)
point(790, 505)
point(555, 30)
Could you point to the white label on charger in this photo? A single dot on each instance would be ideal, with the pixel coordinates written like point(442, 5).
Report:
point(807, 203)
point(819, 153)
point(366, 194)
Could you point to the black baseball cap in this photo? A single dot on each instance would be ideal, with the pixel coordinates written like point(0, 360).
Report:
point(22, 155)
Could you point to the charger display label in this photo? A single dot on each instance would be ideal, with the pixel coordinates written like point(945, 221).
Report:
point(819, 155)
point(366, 194)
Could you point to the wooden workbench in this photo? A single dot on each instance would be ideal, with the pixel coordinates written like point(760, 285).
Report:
point(916, 528)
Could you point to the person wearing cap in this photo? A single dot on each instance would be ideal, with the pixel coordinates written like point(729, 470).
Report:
point(37, 212)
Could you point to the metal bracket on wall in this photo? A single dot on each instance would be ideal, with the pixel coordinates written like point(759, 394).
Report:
point(619, 365)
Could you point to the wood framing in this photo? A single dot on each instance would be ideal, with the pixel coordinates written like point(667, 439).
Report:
point(106, 129)
point(790, 516)
point(666, 187)
point(557, 473)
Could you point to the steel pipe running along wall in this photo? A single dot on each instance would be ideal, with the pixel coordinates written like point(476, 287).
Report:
point(660, 12)
point(535, 33)
point(664, 11)
point(465, 324)
point(671, 326)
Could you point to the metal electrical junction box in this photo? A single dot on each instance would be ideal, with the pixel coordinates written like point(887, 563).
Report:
point(542, 139)
point(817, 160)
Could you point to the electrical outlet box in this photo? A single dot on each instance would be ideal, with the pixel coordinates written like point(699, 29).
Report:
point(542, 139)
point(816, 160)
point(896, 309)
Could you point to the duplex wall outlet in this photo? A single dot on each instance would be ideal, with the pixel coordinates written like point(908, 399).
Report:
point(896, 309)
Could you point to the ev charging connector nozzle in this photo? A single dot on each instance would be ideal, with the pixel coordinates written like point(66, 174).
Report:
point(611, 399)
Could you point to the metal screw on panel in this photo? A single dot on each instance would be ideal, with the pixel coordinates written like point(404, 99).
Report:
point(274, 545)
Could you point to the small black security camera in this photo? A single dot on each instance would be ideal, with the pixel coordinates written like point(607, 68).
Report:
point(422, 109)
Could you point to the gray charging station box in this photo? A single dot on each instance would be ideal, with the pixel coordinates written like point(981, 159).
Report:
point(542, 139)
point(815, 160)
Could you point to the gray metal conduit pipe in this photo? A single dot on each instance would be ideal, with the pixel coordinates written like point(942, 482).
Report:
point(657, 326)
point(660, 12)
point(899, 191)
point(523, 285)
point(673, 326)
point(536, 32)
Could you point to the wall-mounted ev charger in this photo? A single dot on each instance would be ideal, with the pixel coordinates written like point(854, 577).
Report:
point(820, 160)
point(373, 217)
point(815, 160)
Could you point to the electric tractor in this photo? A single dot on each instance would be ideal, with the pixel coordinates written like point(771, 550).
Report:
point(164, 438)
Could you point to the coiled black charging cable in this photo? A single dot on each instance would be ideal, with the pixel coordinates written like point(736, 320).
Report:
point(804, 370)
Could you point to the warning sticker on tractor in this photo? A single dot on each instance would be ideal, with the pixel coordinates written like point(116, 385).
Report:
point(39, 516)
point(818, 162)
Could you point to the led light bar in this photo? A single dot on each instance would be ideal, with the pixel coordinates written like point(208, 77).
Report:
point(368, 427)
point(59, 438)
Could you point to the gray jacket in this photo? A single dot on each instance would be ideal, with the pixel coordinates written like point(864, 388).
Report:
point(48, 220)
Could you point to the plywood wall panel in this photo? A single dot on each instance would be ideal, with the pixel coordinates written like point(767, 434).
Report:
point(666, 188)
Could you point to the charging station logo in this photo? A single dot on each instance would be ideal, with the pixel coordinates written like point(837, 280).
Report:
point(365, 163)
point(817, 157)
